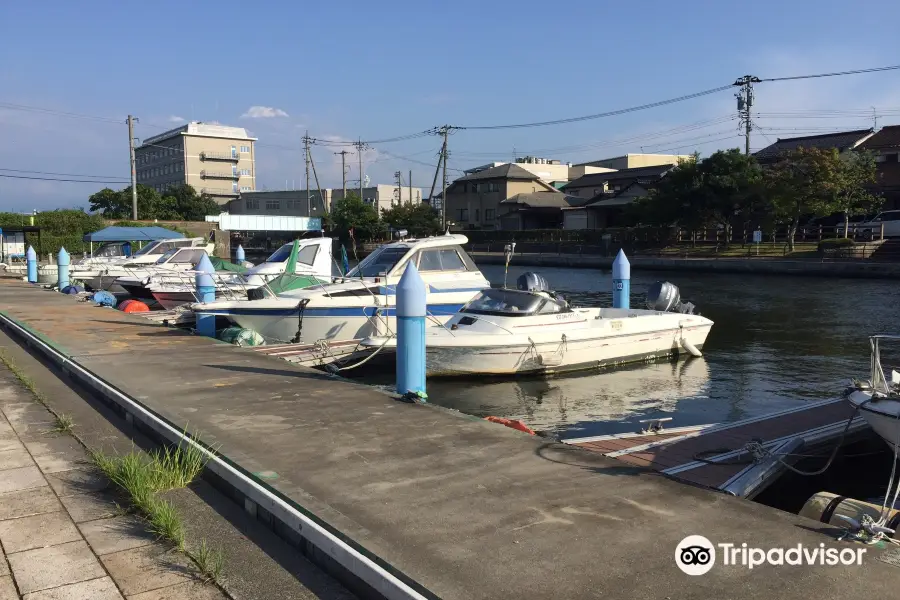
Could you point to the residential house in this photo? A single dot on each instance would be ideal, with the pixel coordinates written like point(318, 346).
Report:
point(473, 201)
point(604, 196)
point(635, 161)
point(841, 140)
point(535, 210)
point(885, 145)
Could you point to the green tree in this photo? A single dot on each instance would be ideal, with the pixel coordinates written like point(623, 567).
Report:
point(178, 203)
point(418, 219)
point(675, 200)
point(351, 212)
point(855, 171)
point(729, 185)
point(187, 205)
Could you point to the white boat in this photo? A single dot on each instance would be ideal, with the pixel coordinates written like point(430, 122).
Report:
point(137, 276)
point(309, 260)
point(362, 303)
point(101, 272)
point(533, 331)
point(878, 399)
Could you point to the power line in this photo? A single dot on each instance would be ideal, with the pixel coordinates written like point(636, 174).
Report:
point(57, 179)
point(60, 113)
point(611, 113)
point(835, 74)
point(63, 174)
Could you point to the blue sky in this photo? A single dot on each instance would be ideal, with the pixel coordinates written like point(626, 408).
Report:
point(379, 69)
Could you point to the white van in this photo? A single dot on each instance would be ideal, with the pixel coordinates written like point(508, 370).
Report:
point(889, 218)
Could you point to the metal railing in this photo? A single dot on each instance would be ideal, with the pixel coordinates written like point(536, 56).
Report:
point(227, 156)
point(879, 382)
point(219, 174)
point(219, 191)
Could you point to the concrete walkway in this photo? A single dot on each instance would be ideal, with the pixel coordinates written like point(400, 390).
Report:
point(464, 508)
point(62, 535)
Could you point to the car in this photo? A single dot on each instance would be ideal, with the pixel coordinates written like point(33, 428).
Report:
point(872, 229)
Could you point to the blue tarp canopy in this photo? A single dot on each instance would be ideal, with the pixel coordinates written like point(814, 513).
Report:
point(131, 234)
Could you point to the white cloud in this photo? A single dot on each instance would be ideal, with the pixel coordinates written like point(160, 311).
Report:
point(263, 112)
point(176, 119)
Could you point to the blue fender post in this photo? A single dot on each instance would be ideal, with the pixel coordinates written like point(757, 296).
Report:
point(62, 265)
point(621, 276)
point(239, 255)
point(31, 262)
point(206, 292)
point(411, 333)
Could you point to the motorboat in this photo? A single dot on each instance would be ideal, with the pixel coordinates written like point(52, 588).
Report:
point(101, 273)
point(531, 330)
point(362, 303)
point(878, 398)
point(138, 276)
point(295, 265)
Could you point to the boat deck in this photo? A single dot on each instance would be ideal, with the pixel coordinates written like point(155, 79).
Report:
point(718, 457)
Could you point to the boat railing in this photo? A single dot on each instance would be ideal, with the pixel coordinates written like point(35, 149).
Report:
point(880, 383)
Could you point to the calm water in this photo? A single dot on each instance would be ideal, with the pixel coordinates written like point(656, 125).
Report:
point(777, 342)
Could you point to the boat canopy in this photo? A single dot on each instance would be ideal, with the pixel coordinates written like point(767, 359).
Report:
point(514, 303)
point(220, 264)
point(128, 234)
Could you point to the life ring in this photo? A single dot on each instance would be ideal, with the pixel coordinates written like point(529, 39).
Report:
point(513, 423)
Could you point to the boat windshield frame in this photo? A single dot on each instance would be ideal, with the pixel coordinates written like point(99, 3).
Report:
point(491, 301)
point(374, 261)
point(288, 247)
point(146, 249)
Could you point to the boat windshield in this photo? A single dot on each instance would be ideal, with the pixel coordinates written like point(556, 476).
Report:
point(165, 257)
point(513, 303)
point(146, 248)
point(109, 250)
point(379, 262)
point(281, 254)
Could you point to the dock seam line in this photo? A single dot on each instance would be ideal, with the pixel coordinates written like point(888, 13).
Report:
point(344, 554)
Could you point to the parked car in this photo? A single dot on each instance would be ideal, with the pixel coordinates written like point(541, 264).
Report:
point(871, 229)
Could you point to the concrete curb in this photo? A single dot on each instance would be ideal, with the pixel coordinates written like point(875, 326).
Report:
point(361, 572)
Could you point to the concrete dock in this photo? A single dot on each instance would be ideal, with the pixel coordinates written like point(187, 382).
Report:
point(436, 503)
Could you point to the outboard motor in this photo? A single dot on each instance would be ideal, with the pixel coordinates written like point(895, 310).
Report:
point(664, 296)
point(532, 282)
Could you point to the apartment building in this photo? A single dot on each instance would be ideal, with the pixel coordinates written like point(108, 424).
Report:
point(216, 160)
point(300, 202)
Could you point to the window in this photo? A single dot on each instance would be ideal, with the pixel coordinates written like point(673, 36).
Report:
point(245, 149)
point(476, 216)
point(234, 171)
point(234, 186)
point(463, 214)
point(245, 171)
point(251, 204)
point(234, 152)
point(450, 260)
point(307, 255)
point(430, 260)
point(489, 214)
point(246, 188)
point(191, 257)
point(379, 262)
point(273, 204)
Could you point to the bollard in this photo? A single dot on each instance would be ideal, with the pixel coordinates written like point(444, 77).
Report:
point(206, 292)
point(239, 256)
point(621, 276)
point(62, 269)
point(31, 261)
point(411, 333)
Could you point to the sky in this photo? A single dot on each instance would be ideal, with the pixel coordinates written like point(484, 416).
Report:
point(71, 72)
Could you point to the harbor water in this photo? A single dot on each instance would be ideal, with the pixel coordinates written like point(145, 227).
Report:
point(777, 342)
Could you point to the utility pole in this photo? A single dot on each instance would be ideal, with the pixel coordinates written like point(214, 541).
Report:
point(359, 151)
point(306, 157)
point(445, 131)
point(399, 187)
point(410, 187)
point(134, 213)
point(744, 105)
point(343, 154)
point(874, 119)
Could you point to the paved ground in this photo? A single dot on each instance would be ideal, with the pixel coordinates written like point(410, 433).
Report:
point(62, 535)
point(466, 508)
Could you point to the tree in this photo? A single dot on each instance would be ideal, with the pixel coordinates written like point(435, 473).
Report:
point(803, 182)
point(350, 212)
point(188, 205)
point(674, 199)
point(179, 203)
point(855, 171)
point(729, 186)
point(417, 219)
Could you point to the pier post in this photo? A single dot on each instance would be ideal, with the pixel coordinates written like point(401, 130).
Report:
point(239, 255)
point(621, 279)
point(411, 308)
point(206, 292)
point(31, 262)
point(62, 269)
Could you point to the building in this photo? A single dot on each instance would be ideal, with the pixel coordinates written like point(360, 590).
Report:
point(299, 203)
point(841, 140)
point(885, 146)
point(473, 201)
point(214, 159)
point(636, 161)
point(597, 185)
point(535, 210)
point(549, 170)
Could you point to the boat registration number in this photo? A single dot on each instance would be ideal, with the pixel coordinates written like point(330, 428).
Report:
point(615, 324)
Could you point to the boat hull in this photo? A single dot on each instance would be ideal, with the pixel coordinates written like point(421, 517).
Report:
point(170, 300)
point(137, 290)
point(882, 415)
point(557, 357)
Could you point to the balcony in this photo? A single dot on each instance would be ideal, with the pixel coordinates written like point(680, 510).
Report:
point(226, 156)
point(219, 192)
point(219, 175)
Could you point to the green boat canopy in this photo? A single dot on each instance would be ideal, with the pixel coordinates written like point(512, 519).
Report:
point(289, 280)
point(220, 264)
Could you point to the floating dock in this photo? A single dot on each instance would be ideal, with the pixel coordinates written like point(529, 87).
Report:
point(405, 500)
point(740, 458)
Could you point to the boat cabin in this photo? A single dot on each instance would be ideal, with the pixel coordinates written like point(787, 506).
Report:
point(515, 303)
point(440, 254)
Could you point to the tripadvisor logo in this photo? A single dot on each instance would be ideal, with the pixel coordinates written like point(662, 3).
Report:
point(696, 555)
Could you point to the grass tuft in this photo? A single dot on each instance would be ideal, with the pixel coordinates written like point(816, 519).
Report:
point(209, 561)
point(63, 423)
point(165, 522)
point(26, 381)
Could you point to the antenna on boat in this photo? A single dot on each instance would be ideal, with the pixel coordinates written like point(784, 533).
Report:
point(508, 252)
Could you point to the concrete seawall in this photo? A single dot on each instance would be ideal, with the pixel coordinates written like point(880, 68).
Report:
point(849, 269)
